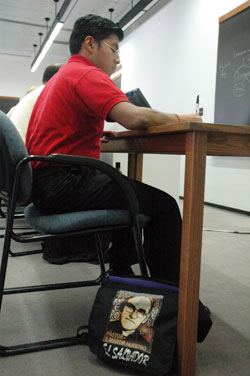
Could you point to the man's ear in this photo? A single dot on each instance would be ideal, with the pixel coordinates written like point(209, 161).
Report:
point(89, 43)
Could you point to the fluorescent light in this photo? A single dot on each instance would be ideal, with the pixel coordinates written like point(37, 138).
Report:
point(153, 2)
point(133, 20)
point(46, 45)
point(136, 12)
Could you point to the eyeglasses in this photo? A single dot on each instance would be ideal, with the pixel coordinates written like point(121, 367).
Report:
point(115, 52)
point(140, 313)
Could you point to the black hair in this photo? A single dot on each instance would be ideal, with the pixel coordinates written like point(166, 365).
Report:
point(95, 26)
point(50, 71)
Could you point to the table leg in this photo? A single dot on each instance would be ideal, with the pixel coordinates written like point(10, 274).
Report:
point(196, 148)
point(135, 162)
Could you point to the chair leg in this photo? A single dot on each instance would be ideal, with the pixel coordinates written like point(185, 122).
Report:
point(4, 263)
point(17, 238)
point(39, 346)
point(139, 248)
point(2, 214)
point(54, 343)
point(50, 287)
point(100, 254)
point(17, 216)
point(50, 344)
point(25, 253)
point(36, 346)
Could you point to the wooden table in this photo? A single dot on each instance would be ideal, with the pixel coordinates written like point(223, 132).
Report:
point(195, 141)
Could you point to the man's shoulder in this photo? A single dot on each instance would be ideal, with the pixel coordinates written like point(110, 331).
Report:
point(27, 101)
point(78, 62)
point(76, 70)
point(34, 93)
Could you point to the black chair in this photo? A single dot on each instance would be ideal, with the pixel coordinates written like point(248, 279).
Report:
point(15, 189)
point(23, 226)
point(19, 215)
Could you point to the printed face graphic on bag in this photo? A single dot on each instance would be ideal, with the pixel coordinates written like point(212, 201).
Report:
point(135, 312)
point(132, 320)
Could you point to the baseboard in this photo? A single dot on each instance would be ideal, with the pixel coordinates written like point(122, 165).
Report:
point(228, 208)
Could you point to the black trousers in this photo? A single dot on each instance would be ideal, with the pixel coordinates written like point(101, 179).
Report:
point(65, 189)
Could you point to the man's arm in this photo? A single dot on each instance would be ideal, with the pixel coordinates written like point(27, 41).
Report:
point(134, 117)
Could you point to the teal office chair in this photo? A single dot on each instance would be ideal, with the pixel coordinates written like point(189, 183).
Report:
point(15, 189)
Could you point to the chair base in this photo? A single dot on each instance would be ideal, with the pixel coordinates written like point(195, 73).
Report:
point(54, 286)
point(25, 253)
point(39, 346)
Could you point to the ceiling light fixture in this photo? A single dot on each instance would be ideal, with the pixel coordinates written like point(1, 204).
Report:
point(111, 10)
point(136, 12)
point(50, 37)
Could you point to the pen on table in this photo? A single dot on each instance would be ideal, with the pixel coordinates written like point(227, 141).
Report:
point(197, 104)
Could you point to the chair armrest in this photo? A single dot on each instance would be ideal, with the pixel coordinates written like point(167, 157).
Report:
point(115, 175)
point(121, 181)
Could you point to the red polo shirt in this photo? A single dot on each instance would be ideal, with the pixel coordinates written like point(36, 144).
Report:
point(69, 115)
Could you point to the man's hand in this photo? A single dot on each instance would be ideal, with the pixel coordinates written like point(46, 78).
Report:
point(190, 117)
point(108, 135)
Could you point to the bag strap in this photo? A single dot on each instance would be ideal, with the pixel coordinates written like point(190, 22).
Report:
point(82, 333)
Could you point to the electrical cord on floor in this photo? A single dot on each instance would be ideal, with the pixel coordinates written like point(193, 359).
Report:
point(228, 231)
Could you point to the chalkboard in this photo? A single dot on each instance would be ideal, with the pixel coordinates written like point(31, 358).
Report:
point(232, 99)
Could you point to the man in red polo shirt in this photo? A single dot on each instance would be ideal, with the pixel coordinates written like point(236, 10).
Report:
point(69, 118)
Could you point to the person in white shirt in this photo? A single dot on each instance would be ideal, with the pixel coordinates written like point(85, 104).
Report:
point(20, 114)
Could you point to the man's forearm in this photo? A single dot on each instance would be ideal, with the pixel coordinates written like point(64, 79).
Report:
point(132, 117)
point(151, 117)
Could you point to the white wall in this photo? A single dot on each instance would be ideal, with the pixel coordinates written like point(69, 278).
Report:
point(172, 57)
point(16, 77)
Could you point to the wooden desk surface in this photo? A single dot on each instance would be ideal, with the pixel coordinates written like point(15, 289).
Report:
point(166, 139)
point(196, 141)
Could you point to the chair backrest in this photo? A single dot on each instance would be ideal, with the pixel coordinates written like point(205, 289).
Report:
point(12, 151)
